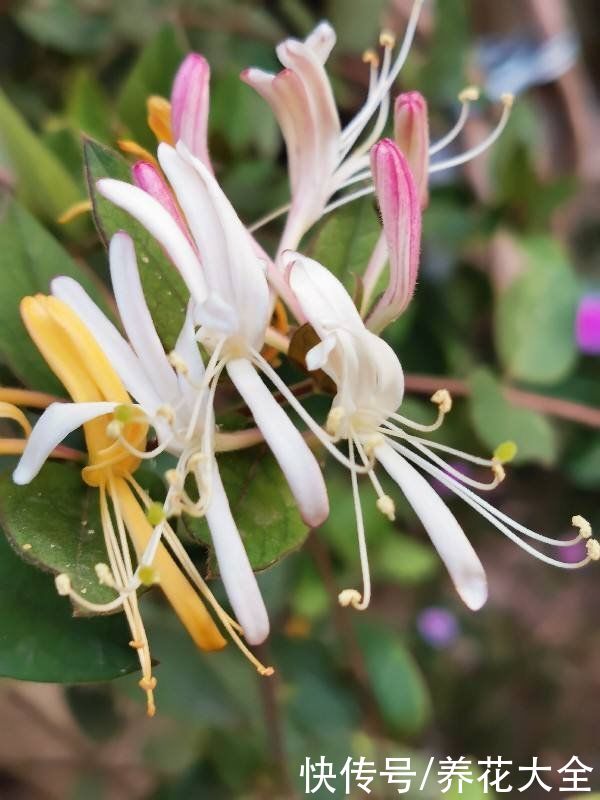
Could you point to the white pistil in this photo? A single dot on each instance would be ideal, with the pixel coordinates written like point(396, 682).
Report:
point(352, 597)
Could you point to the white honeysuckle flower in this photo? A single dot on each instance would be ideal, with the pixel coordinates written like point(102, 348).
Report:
point(370, 387)
point(324, 157)
point(175, 403)
point(231, 303)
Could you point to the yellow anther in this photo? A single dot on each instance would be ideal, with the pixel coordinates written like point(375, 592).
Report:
point(593, 549)
point(266, 672)
point(385, 504)
point(147, 684)
point(166, 412)
point(584, 527)
point(469, 94)
point(370, 57)
point(155, 514)
point(349, 597)
point(63, 584)
point(443, 399)
point(104, 575)
point(136, 644)
point(334, 420)
point(507, 99)
point(148, 576)
point(505, 452)
point(114, 429)
point(26, 546)
point(387, 39)
point(178, 364)
point(371, 442)
point(173, 478)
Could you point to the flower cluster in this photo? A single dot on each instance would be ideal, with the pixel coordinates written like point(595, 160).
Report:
point(136, 401)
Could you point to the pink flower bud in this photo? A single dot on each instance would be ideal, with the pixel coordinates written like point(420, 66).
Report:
point(189, 106)
point(150, 179)
point(411, 133)
point(401, 215)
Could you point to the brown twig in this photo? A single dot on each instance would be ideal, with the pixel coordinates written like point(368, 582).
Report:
point(555, 406)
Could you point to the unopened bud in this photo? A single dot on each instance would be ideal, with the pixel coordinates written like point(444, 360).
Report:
point(411, 134)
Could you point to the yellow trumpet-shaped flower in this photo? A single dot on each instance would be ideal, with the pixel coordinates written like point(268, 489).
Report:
point(75, 357)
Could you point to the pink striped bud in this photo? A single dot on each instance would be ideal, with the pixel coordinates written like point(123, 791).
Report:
point(411, 133)
point(189, 106)
point(151, 180)
point(401, 215)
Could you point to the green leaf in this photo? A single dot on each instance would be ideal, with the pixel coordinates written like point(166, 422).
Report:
point(69, 27)
point(54, 523)
point(345, 240)
point(165, 291)
point(29, 259)
point(403, 559)
point(535, 316)
point(41, 641)
point(153, 73)
point(496, 420)
point(395, 680)
point(44, 185)
point(262, 505)
point(88, 109)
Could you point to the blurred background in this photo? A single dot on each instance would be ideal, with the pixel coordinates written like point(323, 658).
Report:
point(507, 315)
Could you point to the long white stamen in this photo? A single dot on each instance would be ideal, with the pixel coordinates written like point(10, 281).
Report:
point(348, 198)
point(322, 436)
point(352, 597)
point(354, 128)
point(277, 212)
point(494, 516)
point(469, 155)
point(466, 97)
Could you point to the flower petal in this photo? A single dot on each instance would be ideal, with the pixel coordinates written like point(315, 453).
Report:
point(189, 106)
point(453, 547)
point(116, 349)
point(136, 319)
point(158, 222)
point(401, 213)
point(321, 41)
point(239, 580)
point(57, 422)
point(149, 178)
point(287, 445)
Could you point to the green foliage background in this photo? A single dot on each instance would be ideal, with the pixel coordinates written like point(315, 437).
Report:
point(517, 679)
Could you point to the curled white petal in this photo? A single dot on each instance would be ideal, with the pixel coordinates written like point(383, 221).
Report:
point(57, 422)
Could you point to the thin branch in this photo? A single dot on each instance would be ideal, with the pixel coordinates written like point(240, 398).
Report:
point(555, 406)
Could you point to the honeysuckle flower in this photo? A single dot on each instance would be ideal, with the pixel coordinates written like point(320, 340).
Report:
point(399, 205)
point(324, 157)
point(411, 134)
point(370, 388)
point(99, 399)
point(231, 304)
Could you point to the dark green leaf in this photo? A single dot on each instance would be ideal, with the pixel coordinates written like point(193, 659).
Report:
point(29, 258)
point(262, 504)
point(395, 679)
point(54, 522)
point(535, 316)
point(69, 27)
point(497, 421)
point(41, 641)
point(164, 288)
point(345, 240)
point(88, 109)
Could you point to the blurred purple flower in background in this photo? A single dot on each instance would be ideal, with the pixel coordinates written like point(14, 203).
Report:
point(438, 627)
point(587, 325)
